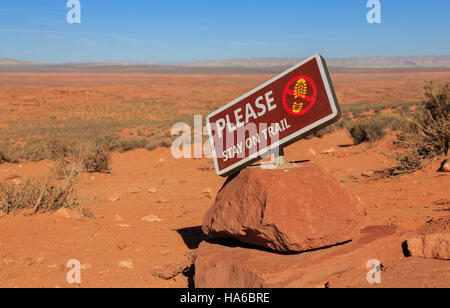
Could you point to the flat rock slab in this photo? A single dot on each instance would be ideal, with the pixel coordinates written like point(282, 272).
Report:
point(433, 246)
point(220, 266)
point(291, 209)
point(412, 272)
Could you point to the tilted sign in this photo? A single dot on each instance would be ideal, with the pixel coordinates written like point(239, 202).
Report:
point(288, 107)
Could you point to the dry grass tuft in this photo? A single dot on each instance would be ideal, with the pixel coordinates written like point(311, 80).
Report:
point(370, 129)
point(39, 195)
point(427, 134)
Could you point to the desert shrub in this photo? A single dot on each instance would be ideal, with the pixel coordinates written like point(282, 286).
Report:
point(38, 195)
point(409, 162)
point(91, 156)
point(364, 131)
point(166, 143)
point(159, 142)
point(9, 152)
point(324, 131)
point(357, 114)
point(35, 151)
point(378, 109)
point(61, 148)
point(427, 133)
point(370, 129)
point(65, 169)
point(344, 122)
point(405, 108)
point(96, 155)
point(128, 144)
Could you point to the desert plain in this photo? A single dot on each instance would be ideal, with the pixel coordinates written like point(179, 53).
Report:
point(144, 214)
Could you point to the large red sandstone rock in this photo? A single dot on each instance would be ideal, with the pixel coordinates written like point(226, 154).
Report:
point(434, 246)
point(219, 266)
point(292, 209)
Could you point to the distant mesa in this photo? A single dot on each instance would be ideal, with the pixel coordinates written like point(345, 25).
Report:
point(254, 65)
point(381, 62)
point(4, 61)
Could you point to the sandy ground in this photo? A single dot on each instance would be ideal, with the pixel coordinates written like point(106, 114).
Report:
point(116, 247)
point(34, 250)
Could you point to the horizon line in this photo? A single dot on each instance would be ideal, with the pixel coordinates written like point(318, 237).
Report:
point(133, 62)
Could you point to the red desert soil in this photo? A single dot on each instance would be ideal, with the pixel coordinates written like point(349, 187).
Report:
point(34, 250)
point(63, 95)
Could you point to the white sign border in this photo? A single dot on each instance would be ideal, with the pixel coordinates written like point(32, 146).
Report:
point(334, 114)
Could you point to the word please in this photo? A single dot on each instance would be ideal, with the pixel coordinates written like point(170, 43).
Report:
point(258, 108)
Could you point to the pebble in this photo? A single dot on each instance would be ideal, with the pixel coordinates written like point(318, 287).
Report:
point(114, 198)
point(126, 264)
point(153, 190)
point(118, 218)
point(151, 218)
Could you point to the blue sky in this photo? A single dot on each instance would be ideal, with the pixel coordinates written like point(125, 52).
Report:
point(180, 31)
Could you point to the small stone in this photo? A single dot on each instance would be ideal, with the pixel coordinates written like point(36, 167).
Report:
point(7, 261)
point(114, 198)
point(367, 174)
point(126, 264)
point(133, 191)
point(118, 218)
point(162, 200)
point(122, 245)
point(329, 151)
point(164, 252)
point(151, 218)
point(40, 260)
point(28, 261)
point(123, 225)
point(104, 272)
point(17, 182)
point(445, 166)
point(86, 266)
point(322, 285)
point(152, 190)
point(66, 213)
point(207, 191)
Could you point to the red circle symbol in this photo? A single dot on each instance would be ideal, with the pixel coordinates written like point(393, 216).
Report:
point(299, 95)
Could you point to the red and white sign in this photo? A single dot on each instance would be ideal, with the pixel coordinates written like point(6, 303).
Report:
point(279, 112)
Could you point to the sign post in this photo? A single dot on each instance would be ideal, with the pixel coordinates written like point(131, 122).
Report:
point(281, 111)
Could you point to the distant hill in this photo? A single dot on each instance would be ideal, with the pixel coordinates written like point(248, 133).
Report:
point(375, 62)
point(256, 65)
point(4, 61)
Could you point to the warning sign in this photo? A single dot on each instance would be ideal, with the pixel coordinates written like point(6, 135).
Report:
point(279, 112)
